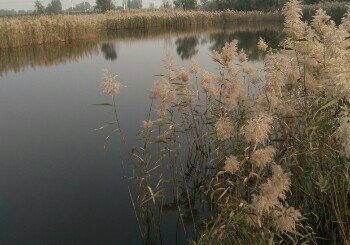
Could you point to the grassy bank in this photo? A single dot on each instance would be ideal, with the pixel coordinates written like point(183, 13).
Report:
point(34, 30)
point(29, 30)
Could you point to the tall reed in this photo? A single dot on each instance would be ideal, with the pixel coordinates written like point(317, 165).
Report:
point(23, 31)
point(250, 156)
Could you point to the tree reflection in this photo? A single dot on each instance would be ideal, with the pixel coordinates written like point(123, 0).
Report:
point(109, 51)
point(186, 47)
point(246, 40)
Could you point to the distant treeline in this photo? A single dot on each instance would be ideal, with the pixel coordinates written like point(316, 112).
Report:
point(247, 5)
point(7, 12)
point(55, 6)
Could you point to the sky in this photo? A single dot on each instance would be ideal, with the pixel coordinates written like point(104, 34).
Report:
point(29, 4)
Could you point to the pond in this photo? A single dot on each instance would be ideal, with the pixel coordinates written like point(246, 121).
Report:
point(61, 181)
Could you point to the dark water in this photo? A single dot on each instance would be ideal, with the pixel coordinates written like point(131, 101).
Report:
point(60, 180)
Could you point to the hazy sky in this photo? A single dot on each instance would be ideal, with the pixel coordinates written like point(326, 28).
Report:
point(29, 4)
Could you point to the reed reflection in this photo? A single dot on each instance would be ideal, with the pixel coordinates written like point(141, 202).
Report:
point(17, 59)
point(247, 41)
point(187, 43)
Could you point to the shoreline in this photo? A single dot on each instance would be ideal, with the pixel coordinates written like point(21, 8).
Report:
point(37, 30)
point(23, 31)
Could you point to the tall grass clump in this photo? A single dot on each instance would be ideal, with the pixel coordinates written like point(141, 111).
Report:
point(29, 30)
point(249, 156)
point(35, 30)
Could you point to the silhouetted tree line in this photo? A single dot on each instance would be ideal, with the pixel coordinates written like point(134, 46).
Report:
point(242, 4)
point(246, 5)
point(134, 4)
point(104, 5)
point(11, 12)
point(55, 7)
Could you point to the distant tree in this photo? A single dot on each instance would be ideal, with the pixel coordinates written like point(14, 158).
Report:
point(55, 7)
point(208, 5)
point(166, 4)
point(185, 4)
point(311, 1)
point(104, 5)
point(248, 4)
point(39, 8)
point(151, 5)
point(264, 5)
point(134, 4)
point(6, 12)
point(204, 4)
point(81, 7)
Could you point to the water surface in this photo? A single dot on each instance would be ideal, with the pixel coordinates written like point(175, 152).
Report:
point(60, 180)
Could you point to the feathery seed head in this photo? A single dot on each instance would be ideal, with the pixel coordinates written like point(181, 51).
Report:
point(242, 56)
point(284, 219)
point(147, 124)
point(110, 84)
point(194, 67)
point(260, 158)
point(262, 45)
point(232, 165)
point(185, 76)
point(257, 129)
point(224, 128)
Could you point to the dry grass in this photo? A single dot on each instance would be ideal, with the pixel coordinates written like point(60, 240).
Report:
point(260, 156)
point(23, 31)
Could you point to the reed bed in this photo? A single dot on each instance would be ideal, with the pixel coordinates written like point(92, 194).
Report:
point(179, 19)
point(250, 156)
point(17, 59)
point(34, 30)
point(29, 30)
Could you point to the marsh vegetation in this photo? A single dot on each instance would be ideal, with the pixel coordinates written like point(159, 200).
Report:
point(28, 30)
point(243, 138)
point(249, 155)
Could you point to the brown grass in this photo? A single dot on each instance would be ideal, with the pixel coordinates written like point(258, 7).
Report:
point(29, 30)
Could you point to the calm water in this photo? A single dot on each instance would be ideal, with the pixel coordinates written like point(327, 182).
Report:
point(60, 180)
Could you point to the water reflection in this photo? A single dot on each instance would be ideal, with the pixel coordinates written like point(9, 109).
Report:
point(109, 51)
point(336, 13)
point(246, 41)
point(51, 157)
point(186, 47)
point(17, 59)
point(187, 42)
